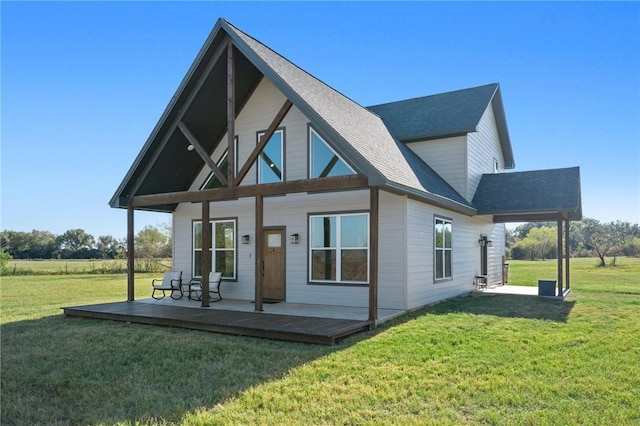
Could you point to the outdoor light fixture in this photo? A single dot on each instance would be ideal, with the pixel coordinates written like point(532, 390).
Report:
point(484, 242)
point(245, 239)
point(294, 238)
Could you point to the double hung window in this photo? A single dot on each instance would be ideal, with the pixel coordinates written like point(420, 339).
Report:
point(443, 248)
point(223, 252)
point(339, 248)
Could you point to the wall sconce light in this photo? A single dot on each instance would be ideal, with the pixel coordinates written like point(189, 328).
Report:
point(294, 238)
point(245, 239)
point(484, 241)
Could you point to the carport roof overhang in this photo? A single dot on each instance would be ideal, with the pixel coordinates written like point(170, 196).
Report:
point(532, 196)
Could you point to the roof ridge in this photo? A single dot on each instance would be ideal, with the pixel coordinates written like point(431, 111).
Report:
point(300, 68)
point(436, 94)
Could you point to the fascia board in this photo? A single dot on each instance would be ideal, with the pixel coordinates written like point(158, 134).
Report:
point(431, 198)
point(503, 131)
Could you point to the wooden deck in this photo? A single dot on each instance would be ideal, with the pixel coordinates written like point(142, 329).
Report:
point(325, 331)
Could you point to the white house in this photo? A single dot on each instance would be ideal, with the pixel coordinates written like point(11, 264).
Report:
point(393, 206)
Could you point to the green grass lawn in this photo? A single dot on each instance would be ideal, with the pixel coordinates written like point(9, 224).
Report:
point(472, 360)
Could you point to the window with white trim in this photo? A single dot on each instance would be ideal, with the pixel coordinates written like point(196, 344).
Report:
point(339, 248)
point(271, 160)
point(443, 255)
point(323, 160)
point(223, 252)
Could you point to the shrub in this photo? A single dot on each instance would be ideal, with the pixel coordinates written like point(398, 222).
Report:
point(4, 261)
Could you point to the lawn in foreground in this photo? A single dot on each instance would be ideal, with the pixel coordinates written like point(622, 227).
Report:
point(500, 359)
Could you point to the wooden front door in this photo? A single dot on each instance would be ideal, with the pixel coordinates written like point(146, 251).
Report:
point(273, 270)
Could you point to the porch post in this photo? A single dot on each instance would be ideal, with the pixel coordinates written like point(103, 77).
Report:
point(258, 245)
point(130, 256)
point(206, 257)
point(567, 250)
point(560, 247)
point(373, 253)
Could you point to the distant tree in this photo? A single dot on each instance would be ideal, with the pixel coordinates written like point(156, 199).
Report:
point(545, 240)
point(43, 245)
point(16, 243)
point(152, 242)
point(76, 244)
point(109, 247)
point(605, 239)
point(522, 231)
point(29, 245)
point(631, 247)
point(538, 244)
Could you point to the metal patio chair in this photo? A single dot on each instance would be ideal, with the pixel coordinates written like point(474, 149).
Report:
point(171, 282)
point(195, 286)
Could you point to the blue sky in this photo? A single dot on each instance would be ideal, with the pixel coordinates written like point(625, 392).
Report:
point(83, 85)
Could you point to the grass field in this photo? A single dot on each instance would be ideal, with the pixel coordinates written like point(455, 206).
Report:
point(473, 360)
point(81, 266)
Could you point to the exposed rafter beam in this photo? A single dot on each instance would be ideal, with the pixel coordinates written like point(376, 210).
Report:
point(183, 108)
point(231, 115)
point(336, 183)
point(263, 141)
point(202, 152)
point(529, 217)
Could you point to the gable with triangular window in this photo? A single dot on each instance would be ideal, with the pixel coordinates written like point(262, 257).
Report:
point(323, 160)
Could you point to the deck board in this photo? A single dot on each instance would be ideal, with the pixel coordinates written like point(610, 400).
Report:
point(272, 326)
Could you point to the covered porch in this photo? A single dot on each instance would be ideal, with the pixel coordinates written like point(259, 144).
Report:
point(535, 196)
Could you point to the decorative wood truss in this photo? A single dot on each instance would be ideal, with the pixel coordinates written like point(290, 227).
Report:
point(231, 189)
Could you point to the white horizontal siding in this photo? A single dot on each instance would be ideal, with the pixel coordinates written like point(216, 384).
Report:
point(242, 210)
point(292, 212)
point(405, 266)
point(484, 149)
point(392, 252)
point(422, 289)
point(447, 157)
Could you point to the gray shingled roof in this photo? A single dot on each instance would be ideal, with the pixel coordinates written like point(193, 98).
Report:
point(446, 115)
point(368, 145)
point(530, 193)
point(357, 134)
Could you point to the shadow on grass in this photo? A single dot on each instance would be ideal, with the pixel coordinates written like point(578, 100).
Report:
point(61, 370)
point(508, 306)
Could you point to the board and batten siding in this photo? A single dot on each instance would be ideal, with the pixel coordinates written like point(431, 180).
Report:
point(447, 157)
point(422, 289)
point(483, 149)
